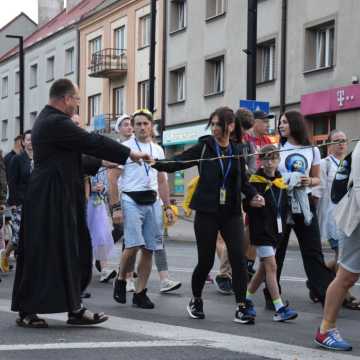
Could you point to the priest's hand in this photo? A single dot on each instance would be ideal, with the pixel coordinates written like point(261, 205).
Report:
point(257, 201)
point(136, 156)
point(108, 164)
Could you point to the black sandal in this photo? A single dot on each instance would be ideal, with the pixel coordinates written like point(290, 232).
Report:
point(86, 317)
point(31, 321)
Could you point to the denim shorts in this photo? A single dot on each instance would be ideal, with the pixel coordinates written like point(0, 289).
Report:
point(142, 224)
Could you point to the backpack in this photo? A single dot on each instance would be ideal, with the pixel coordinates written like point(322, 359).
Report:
point(340, 185)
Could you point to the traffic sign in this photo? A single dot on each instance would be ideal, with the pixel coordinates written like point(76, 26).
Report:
point(254, 105)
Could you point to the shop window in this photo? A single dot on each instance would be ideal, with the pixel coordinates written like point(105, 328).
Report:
point(319, 48)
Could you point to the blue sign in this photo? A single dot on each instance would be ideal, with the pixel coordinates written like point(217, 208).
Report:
point(254, 105)
point(99, 122)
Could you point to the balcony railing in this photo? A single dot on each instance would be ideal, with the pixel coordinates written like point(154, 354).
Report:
point(108, 63)
point(104, 124)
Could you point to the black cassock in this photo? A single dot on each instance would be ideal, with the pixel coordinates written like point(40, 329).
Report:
point(54, 255)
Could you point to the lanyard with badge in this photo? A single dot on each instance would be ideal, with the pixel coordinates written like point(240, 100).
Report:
point(147, 167)
point(278, 210)
point(225, 173)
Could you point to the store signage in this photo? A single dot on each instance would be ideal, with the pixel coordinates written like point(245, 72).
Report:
point(333, 100)
point(185, 134)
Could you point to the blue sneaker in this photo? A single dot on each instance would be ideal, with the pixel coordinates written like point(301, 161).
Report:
point(245, 314)
point(332, 340)
point(285, 313)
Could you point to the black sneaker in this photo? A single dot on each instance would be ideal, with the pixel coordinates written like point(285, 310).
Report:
point(195, 309)
point(141, 300)
point(223, 285)
point(120, 291)
point(245, 314)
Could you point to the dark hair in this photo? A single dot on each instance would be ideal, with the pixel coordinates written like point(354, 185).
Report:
point(61, 88)
point(297, 127)
point(25, 133)
point(269, 151)
point(226, 116)
point(17, 138)
point(245, 118)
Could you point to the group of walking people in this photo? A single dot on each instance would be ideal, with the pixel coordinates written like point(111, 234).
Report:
point(280, 188)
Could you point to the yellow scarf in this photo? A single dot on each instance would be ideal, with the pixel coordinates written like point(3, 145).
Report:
point(278, 182)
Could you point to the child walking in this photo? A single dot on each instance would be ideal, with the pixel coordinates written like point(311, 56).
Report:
point(266, 225)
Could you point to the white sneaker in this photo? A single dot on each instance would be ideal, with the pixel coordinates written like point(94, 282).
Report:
point(130, 285)
point(107, 275)
point(168, 285)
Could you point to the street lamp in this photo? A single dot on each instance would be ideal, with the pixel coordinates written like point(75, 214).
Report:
point(21, 79)
point(152, 57)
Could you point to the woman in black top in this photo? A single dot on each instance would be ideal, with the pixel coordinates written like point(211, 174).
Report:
point(217, 201)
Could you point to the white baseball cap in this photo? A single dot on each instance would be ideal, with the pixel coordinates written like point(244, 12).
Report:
point(119, 120)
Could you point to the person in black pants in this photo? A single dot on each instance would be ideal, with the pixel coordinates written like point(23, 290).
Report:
point(217, 201)
point(296, 158)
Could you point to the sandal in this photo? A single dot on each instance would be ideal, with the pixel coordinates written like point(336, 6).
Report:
point(31, 321)
point(351, 303)
point(86, 317)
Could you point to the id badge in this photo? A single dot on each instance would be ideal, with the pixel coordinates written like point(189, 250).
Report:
point(279, 224)
point(222, 196)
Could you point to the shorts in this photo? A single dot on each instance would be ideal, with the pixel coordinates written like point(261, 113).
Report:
point(349, 251)
point(264, 251)
point(142, 224)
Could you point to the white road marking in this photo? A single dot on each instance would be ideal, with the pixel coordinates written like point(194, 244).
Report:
point(210, 339)
point(98, 345)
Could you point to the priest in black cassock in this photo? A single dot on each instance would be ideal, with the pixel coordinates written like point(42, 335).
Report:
point(54, 257)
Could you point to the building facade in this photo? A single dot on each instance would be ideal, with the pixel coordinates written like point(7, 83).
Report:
point(206, 65)
point(114, 62)
point(51, 52)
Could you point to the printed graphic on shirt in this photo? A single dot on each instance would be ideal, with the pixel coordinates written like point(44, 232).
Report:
point(296, 162)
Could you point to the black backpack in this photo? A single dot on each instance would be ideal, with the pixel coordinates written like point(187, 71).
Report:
point(340, 184)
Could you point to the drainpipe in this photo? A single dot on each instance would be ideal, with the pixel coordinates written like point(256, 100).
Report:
point(251, 50)
point(164, 74)
point(152, 57)
point(283, 57)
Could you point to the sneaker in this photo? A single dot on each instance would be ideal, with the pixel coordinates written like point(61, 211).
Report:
point(107, 275)
point(223, 285)
point(195, 309)
point(4, 262)
point(209, 279)
point(245, 314)
point(142, 301)
point(285, 313)
point(168, 285)
point(332, 340)
point(119, 294)
point(130, 285)
point(98, 265)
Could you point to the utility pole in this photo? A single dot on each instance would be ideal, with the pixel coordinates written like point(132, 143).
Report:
point(21, 80)
point(251, 50)
point(152, 57)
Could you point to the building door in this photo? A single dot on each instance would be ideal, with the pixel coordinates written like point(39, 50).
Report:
point(320, 127)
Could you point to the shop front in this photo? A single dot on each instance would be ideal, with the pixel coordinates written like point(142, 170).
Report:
point(176, 140)
point(337, 108)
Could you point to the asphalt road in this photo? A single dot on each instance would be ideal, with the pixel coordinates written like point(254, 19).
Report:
point(167, 332)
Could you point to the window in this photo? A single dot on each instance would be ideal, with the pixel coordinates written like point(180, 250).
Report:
point(143, 94)
point(177, 15)
point(94, 46)
point(265, 61)
point(69, 61)
point(119, 38)
point(214, 72)
point(144, 31)
point(4, 126)
point(50, 62)
point(177, 85)
point(93, 107)
point(5, 87)
point(17, 82)
point(215, 8)
point(119, 100)
point(33, 116)
point(319, 50)
point(33, 75)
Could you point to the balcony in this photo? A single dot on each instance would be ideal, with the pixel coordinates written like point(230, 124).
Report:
point(108, 63)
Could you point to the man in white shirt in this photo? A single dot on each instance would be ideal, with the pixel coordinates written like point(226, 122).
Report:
point(141, 187)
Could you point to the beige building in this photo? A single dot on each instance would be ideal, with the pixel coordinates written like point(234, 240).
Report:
point(206, 67)
point(114, 58)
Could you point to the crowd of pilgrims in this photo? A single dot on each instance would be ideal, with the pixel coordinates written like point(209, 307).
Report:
point(246, 202)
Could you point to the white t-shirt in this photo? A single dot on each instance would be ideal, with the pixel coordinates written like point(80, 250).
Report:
point(142, 177)
point(297, 159)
